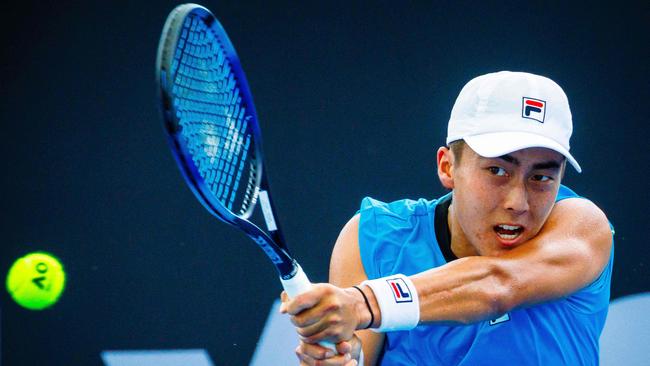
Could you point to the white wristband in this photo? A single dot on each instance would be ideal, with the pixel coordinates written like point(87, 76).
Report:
point(398, 302)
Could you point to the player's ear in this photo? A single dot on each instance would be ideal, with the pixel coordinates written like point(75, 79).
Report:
point(445, 159)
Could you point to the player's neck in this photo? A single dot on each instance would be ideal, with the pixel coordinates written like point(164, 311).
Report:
point(460, 246)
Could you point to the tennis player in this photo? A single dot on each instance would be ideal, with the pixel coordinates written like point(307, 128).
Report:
point(509, 268)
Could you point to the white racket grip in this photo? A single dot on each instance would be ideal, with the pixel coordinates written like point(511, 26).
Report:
point(296, 286)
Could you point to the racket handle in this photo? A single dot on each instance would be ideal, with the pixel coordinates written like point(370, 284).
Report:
point(296, 286)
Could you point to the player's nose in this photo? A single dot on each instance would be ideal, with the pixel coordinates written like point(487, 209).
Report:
point(516, 200)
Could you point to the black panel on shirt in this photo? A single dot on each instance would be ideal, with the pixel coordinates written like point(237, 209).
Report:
point(443, 235)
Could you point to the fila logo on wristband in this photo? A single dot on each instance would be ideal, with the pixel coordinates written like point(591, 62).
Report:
point(398, 302)
point(533, 109)
point(401, 290)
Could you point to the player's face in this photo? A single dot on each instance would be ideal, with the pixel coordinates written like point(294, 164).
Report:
point(500, 203)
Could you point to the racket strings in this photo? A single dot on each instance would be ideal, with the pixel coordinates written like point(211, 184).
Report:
point(213, 118)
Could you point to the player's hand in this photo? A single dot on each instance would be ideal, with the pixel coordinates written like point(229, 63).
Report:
point(326, 313)
point(314, 354)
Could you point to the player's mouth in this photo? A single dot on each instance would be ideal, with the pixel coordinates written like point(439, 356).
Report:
point(508, 234)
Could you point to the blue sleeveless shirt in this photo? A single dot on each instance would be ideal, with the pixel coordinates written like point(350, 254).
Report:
point(399, 237)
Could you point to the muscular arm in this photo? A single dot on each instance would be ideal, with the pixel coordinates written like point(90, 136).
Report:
point(569, 253)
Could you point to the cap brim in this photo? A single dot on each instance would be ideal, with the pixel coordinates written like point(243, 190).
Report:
point(491, 145)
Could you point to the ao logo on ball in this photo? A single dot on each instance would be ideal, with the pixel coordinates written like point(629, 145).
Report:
point(36, 281)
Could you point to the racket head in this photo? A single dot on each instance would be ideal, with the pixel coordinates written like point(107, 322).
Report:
point(209, 113)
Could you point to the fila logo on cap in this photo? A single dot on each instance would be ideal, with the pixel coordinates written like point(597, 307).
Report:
point(533, 109)
point(401, 291)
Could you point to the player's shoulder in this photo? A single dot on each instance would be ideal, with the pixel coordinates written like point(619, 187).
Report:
point(391, 234)
point(583, 221)
point(399, 209)
point(573, 205)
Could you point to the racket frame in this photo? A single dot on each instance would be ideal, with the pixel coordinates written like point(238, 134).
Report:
point(273, 245)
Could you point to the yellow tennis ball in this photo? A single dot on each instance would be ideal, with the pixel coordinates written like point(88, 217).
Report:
point(36, 280)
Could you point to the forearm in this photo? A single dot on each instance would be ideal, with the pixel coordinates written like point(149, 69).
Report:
point(464, 291)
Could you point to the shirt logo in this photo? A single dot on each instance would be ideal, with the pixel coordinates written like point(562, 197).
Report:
point(532, 108)
point(401, 291)
point(503, 318)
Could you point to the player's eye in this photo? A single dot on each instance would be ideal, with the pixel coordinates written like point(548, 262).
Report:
point(541, 178)
point(498, 171)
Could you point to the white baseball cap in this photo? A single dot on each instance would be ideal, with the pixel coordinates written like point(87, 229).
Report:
point(506, 111)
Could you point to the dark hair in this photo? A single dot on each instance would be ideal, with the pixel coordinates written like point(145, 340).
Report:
point(457, 148)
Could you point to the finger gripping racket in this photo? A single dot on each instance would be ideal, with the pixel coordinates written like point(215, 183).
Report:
point(214, 134)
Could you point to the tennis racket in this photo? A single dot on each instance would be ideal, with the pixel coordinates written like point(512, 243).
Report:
point(214, 134)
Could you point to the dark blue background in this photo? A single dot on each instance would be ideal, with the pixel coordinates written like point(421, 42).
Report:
point(353, 100)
